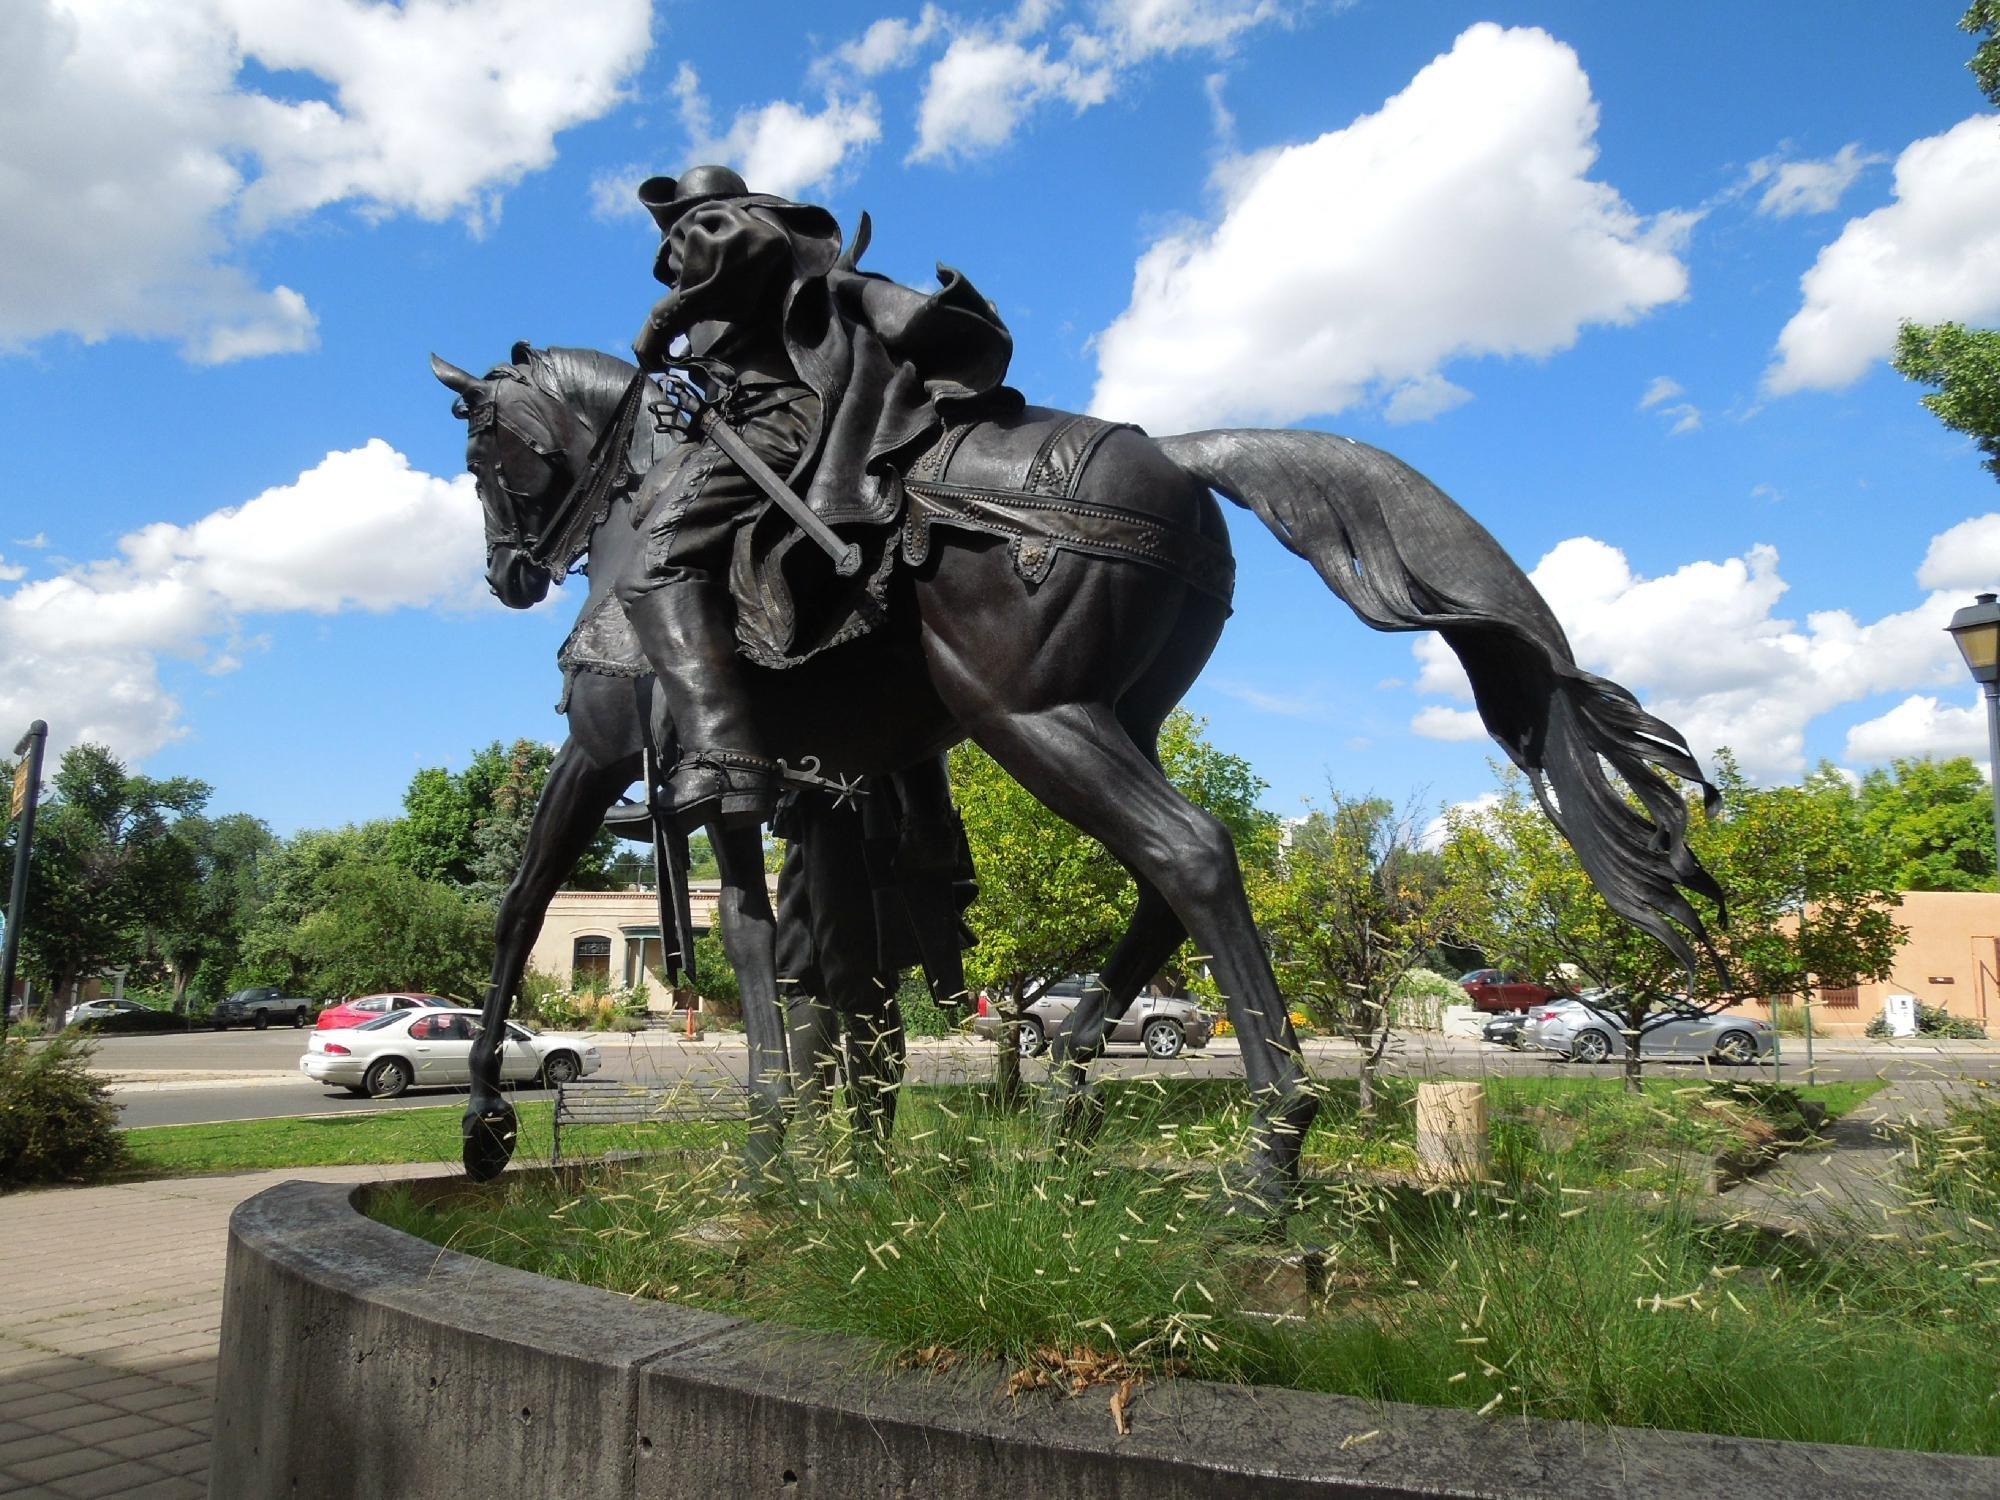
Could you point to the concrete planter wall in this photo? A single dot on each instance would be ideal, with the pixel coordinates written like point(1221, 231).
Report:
point(358, 1361)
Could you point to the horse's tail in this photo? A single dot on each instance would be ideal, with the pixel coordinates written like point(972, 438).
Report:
point(1404, 556)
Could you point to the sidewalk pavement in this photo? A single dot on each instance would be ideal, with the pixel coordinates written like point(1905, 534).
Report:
point(110, 1312)
point(1853, 1177)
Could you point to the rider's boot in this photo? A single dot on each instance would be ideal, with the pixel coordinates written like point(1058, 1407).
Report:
point(688, 631)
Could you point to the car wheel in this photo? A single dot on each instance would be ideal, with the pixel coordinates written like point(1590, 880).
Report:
point(1031, 1041)
point(1737, 1047)
point(298, 1018)
point(387, 1078)
point(263, 1020)
point(1162, 1039)
point(563, 1067)
point(1590, 1047)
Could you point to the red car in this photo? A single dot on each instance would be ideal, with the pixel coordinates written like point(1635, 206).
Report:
point(370, 1007)
point(1500, 990)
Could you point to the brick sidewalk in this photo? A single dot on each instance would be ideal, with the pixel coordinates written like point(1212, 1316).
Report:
point(110, 1301)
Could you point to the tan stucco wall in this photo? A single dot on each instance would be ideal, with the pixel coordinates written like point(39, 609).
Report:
point(1950, 960)
point(625, 918)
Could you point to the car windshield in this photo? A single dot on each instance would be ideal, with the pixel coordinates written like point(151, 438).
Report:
point(242, 995)
point(382, 1023)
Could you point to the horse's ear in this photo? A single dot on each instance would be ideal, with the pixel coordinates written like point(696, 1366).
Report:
point(858, 246)
point(453, 377)
point(520, 353)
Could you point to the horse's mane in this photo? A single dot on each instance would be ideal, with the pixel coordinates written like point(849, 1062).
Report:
point(586, 380)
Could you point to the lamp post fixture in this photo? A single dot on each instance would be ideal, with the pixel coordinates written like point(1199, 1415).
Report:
point(1976, 628)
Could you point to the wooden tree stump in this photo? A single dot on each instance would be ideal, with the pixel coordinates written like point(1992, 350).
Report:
point(1451, 1132)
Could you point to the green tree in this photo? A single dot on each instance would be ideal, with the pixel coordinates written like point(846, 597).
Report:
point(1350, 905)
point(1052, 901)
point(1982, 19)
point(381, 927)
point(199, 926)
point(1964, 366)
point(1934, 820)
point(469, 828)
point(106, 863)
point(1812, 899)
point(294, 882)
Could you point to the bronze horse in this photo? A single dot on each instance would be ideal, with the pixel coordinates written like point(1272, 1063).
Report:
point(1058, 585)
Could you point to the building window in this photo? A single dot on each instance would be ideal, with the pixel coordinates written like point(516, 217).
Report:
point(590, 963)
point(1841, 999)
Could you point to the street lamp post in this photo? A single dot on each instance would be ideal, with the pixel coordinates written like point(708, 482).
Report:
point(1976, 628)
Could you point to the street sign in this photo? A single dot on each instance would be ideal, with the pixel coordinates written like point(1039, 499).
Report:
point(20, 790)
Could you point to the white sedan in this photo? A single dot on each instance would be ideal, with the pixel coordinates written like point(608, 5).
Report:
point(422, 1048)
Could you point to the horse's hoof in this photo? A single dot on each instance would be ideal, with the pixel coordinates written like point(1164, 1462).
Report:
point(489, 1142)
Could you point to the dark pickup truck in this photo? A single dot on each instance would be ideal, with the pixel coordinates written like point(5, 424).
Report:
point(260, 1006)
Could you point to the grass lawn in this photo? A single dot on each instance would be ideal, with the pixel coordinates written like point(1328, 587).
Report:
point(392, 1135)
point(1550, 1291)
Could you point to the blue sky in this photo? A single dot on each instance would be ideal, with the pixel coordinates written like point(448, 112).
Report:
point(1620, 279)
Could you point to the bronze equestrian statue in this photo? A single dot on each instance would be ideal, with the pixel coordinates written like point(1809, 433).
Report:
point(867, 548)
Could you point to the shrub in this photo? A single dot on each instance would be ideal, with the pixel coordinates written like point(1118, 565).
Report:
point(57, 1122)
point(1935, 1020)
point(1421, 997)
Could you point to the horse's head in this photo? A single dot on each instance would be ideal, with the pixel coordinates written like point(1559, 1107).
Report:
point(525, 448)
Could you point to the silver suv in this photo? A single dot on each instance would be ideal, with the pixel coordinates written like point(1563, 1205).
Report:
point(1159, 1023)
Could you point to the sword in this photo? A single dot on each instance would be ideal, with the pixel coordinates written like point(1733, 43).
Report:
point(846, 555)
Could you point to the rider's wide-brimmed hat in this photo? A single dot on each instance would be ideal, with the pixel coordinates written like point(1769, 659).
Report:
point(667, 198)
point(815, 234)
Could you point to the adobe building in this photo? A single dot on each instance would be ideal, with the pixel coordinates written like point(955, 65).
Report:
point(1951, 960)
point(611, 939)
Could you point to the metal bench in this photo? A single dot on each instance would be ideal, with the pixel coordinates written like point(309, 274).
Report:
point(616, 1101)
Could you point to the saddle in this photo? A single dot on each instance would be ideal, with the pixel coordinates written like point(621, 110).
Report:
point(1017, 479)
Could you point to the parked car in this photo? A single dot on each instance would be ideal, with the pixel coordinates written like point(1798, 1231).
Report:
point(422, 1047)
point(259, 1006)
point(1505, 1029)
point(1502, 989)
point(368, 1007)
point(1159, 1023)
point(102, 1010)
point(1584, 1034)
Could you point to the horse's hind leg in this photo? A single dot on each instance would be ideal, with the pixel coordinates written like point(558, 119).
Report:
point(567, 817)
point(1080, 761)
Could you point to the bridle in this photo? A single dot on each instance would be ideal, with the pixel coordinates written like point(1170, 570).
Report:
point(511, 514)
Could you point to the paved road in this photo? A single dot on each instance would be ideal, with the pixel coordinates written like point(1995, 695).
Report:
point(204, 1076)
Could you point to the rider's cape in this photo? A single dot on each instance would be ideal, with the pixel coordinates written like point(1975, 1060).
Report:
point(891, 366)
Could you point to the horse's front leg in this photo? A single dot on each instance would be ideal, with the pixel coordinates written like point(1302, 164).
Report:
point(1150, 940)
point(567, 818)
point(749, 937)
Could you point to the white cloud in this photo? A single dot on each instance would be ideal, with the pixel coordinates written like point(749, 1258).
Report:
point(1439, 723)
point(888, 44)
point(993, 76)
point(778, 147)
point(1813, 186)
point(1472, 810)
point(1419, 400)
point(1920, 727)
point(1663, 388)
point(137, 164)
point(361, 529)
point(1706, 648)
point(1928, 256)
point(1964, 558)
point(1458, 220)
point(982, 88)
